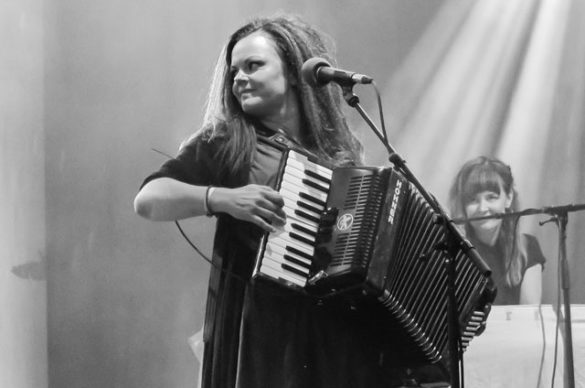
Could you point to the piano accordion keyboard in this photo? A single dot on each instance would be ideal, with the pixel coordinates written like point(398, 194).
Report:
point(286, 256)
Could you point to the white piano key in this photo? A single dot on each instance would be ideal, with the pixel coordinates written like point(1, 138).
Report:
point(291, 216)
point(281, 273)
point(291, 194)
point(275, 249)
point(297, 181)
point(294, 171)
point(317, 169)
point(294, 206)
point(283, 242)
point(303, 160)
point(310, 223)
point(296, 185)
point(309, 174)
point(281, 260)
point(278, 276)
point(289, 228)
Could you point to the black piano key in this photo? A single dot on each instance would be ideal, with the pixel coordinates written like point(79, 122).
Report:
point(315, 185)
point(301, 228)
point(294, 270)
point(275, 271)
point(281, 251)
point(278, 261)
point(296, 261)
point(284, 242)
point(307, 216)
point(299, 252)
point(301, 238)
point(323, 179)
point(312, 199)
point(308, 207)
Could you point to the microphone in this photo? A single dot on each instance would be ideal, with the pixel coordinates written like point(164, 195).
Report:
point(318, 72)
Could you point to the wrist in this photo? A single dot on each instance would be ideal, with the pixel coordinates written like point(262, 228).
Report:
point(207, 205)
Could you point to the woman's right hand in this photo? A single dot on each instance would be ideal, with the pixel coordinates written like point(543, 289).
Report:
point(260, 205)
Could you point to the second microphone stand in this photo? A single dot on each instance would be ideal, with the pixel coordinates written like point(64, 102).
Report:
point(560, 215)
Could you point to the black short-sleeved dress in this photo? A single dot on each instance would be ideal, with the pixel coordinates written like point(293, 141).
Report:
point(258, 334)
point(493, 257)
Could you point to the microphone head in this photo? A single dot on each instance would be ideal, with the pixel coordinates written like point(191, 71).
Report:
point(309, 70)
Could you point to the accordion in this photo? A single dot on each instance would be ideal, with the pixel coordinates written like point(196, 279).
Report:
point(365, 238)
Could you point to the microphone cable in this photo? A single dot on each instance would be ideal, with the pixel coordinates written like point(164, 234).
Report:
point(557, 325)
point(543, 352)
point(225, 271)
point(381, 111)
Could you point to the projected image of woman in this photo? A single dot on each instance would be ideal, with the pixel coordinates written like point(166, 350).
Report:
point(485, 186)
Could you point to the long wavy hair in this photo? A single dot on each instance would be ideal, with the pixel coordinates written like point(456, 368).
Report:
point(324, 130)
point(486, 174)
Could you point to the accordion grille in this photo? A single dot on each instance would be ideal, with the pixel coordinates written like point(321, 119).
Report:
point(364, 197)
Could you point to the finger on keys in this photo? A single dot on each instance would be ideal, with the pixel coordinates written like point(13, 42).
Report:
point(275, 197)
point(276, 207)
point(271, 215)
point(264, 225)
point(278, 218)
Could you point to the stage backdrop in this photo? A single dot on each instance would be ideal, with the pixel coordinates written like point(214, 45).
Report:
point(122, 78)
point(23, 290)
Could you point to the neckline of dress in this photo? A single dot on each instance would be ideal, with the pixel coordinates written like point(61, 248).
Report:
point(288, 136)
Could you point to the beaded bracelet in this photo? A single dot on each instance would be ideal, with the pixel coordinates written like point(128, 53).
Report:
point(208, 192)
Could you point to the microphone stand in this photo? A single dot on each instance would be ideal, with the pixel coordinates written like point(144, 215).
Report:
point(454, 240)
point(560, 217)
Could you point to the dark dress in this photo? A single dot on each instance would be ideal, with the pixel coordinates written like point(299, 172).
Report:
point(258, 334)
point(493, 257)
